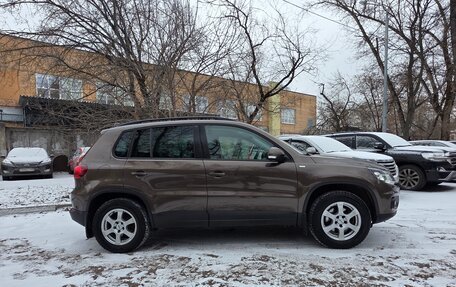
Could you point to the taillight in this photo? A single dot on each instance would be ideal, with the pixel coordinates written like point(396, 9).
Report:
point(80, 171)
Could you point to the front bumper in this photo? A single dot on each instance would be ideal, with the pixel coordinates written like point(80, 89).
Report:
point(17, 171)
point(388, 203)
point(441, 174)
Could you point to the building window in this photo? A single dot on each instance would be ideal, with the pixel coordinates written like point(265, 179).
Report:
point(166, 102)
point(310, 123)
point(288, 116)
point(250, 109)
point(52, 87)
point(227, 109)
point(70, 89)
point(112, 95)
point(201, 104)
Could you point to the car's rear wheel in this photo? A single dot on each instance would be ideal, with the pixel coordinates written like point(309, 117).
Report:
point(339, 219)
point(120, 225)
point(411, 177)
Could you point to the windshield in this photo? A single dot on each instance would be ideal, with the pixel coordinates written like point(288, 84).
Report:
point(328, 145)
point(393, 140)
point(27, 152)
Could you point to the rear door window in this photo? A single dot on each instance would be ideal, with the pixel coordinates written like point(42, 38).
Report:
point(346, 140)
point(173, 142)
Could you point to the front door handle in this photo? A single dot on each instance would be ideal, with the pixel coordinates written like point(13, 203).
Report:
point(139, 173)
point(216, 173)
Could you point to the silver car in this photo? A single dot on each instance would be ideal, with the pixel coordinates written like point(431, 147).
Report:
point(331, 147)
point(26, 161)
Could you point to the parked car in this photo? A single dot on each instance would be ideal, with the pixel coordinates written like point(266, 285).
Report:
point(77, 157)
point(418, 165)
point(26, 161)
point(331, 147)
point(437, 143)
point(210, 172)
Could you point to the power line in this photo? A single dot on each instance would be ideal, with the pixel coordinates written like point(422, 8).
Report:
point(321, 16)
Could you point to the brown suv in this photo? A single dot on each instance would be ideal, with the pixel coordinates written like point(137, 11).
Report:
point(211, 172)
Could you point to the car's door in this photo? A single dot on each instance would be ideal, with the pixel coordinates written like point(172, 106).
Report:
point(244, 187)
point(165, 165)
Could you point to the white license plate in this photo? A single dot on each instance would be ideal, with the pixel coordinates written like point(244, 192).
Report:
point(26, 169)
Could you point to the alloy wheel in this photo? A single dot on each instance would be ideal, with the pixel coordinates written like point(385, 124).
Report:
point(341, 221)
point(119, 226)
point(408, 178)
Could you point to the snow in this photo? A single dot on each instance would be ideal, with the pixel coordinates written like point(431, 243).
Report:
point(27, 155)
point(415, 248)
point(33, 192)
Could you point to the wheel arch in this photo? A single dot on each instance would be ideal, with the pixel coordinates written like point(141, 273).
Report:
point(105, 195)
point(361, 191)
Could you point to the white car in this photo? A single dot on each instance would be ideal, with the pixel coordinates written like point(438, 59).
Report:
point(26, 161)
point(331, 147)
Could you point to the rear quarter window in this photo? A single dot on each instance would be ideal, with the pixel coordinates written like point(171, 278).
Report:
point(123, 144)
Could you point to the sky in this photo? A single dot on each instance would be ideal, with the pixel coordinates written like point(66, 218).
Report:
point(332, 38)
point(335, 41)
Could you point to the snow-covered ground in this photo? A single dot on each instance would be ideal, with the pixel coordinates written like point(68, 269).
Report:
point(415, 248)
point(33, 192)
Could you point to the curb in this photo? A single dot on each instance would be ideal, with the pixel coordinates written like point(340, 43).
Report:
point(33, 209)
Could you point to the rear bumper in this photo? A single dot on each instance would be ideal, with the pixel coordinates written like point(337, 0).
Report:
point(78, 216)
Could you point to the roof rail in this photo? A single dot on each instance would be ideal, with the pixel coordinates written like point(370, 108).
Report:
point(176, 119)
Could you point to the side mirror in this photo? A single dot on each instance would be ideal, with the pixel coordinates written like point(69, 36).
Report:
point(311, 150)
point(276, 154)
point(379, 145)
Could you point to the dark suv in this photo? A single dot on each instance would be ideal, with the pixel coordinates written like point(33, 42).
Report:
point(418, 165)
point(211, 172)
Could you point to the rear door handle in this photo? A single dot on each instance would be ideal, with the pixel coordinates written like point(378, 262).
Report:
point(139, 173)
point(216, 173)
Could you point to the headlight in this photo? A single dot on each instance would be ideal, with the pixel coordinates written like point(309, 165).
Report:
point(45, 162)
point(7, 162)
point(435, 156)
point(384, 176)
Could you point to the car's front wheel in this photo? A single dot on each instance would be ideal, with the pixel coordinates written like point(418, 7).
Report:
point(339, 219)
point(120, 225)
point(411, 177)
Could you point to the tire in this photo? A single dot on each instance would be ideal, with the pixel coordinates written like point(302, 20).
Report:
point(331, 210)
point(411, 177)
point(130, 231)
point(6, 177)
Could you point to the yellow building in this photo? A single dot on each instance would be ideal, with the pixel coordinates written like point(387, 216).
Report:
point(25, 71)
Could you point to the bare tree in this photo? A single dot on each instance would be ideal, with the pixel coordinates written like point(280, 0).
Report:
point(272, 54)
point(139, 44)
point(419, 53)
point(336, 112)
